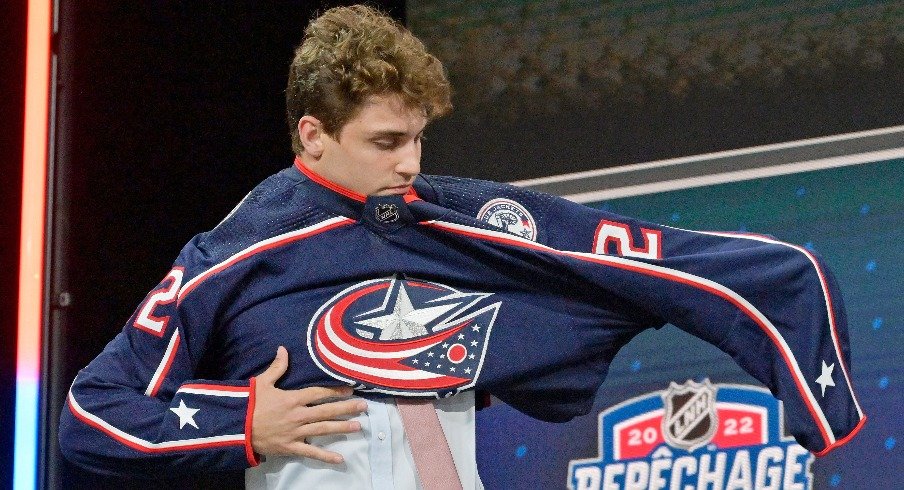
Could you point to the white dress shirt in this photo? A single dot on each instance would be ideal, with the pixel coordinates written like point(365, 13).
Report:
point(378, 457)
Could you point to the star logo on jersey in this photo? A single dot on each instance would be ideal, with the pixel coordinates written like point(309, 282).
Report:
point(403, 336)
point(825, 378)
point(186, 415)
point(404, 321)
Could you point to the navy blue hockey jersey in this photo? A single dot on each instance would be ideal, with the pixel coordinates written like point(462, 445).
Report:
point(461, 284)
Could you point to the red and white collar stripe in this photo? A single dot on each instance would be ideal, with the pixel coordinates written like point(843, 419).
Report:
point(409, 196)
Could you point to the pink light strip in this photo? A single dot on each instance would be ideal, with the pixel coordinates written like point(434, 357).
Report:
point(31, 251)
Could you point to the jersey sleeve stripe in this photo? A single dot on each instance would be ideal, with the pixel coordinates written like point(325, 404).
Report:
point(214, 390)
point(673, 275)
point(836, 343)
point(249, 419)
point(273, 242)
point(164, 366)
point(215, 387)
point(144, 446)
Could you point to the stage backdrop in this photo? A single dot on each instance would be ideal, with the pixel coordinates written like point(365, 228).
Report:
point(550, 86)
point(853, 217)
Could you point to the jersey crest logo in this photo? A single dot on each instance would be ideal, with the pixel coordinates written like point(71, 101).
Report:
point(690, 414)
point(509, 216)
point(403, 336)
point(692, 436)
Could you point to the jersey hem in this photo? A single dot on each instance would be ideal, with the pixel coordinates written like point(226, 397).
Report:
point(844, 440)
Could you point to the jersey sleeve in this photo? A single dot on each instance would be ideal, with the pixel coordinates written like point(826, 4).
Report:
point(137, 410)
point(774, 307)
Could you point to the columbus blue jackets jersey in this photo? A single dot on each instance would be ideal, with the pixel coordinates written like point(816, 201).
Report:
point(458, 285)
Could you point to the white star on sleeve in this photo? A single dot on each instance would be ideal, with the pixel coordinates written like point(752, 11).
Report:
point(825, 379)
point(186, 414)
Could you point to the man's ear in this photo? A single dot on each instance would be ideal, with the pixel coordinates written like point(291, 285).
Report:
point(310, 132)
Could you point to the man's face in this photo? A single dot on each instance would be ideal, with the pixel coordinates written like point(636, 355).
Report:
point(378, 152)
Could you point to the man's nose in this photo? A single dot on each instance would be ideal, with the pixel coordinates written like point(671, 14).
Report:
point(410, 159)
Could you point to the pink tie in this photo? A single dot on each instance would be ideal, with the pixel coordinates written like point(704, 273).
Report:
point(429, 446)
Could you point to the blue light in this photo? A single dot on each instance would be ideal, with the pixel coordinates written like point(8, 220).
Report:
point(871, 266)
point(521, 451)
point(836, 480)
point(864, 209)
point(635, 366)
point(801, 191)
point(676, 216)
point(877, 323)
point(25, 464)
point(883, 382)
point(890, 443)
point(809, 246)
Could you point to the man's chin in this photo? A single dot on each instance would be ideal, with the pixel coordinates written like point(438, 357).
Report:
point(393, 191)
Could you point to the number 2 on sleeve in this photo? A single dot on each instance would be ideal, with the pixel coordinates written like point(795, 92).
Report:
point(145, 320)
point(619, 234)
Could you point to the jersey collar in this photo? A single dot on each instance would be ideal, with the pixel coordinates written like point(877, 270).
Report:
point(327, 183)
point(352, 204)
point(409, 196)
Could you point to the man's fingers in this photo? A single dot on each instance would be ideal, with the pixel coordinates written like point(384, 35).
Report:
point(319, 394)
point(277, 368)
point(310, 451)
point(329, 427)
point(334, 410)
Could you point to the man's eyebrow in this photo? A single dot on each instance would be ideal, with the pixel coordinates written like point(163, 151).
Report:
point(390, 132)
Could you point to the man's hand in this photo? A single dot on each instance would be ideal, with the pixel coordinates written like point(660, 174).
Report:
point(283, 419)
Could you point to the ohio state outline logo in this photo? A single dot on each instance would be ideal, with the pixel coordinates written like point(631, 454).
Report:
point(403, 336)
point(691, 436)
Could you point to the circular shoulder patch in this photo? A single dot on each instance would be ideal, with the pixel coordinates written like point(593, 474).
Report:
point(509, 216)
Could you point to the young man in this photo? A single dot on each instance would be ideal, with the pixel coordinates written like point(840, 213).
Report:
point(359, 273)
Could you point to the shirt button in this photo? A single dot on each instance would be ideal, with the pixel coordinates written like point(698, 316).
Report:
point(381, 436)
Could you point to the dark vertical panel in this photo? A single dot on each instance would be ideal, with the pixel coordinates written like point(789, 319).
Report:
point(169, 112)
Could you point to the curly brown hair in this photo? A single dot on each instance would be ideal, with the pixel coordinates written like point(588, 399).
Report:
point(351, 53)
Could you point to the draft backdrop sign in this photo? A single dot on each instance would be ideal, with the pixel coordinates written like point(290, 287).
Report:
point(695, 435)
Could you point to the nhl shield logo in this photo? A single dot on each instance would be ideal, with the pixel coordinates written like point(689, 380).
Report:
point(403, 336)
point(509, 216)
point(387, 213)
point(690, 414)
